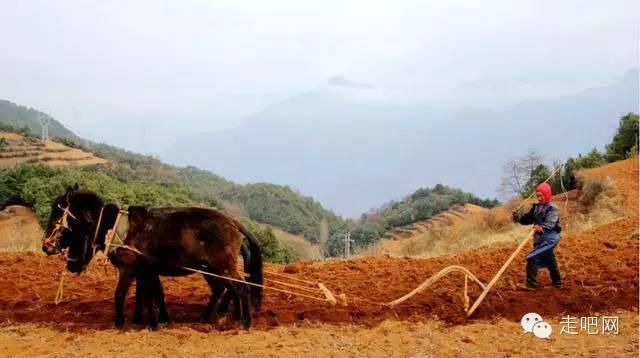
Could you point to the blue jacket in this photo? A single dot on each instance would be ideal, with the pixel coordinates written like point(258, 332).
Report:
point(547, 216)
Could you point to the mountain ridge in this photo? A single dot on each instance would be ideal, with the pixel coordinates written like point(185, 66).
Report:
point(351, 154)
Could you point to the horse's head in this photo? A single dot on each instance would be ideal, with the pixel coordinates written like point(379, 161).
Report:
point(71, 226)
point(58, 227)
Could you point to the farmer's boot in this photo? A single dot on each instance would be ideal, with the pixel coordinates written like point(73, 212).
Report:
point(552, 265)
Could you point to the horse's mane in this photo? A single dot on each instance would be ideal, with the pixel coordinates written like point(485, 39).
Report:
point(88, 198)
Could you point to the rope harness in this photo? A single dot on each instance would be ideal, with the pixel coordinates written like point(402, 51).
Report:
point(116, 236)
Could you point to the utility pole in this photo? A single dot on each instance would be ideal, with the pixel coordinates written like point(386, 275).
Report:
point(347, 244)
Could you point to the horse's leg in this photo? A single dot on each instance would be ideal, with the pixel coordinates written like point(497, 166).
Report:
point(138, 312)
point(242, 291)
point(223, 308)
point(152, 323)
point(125, 278)
point(148, 282)
point(232, 294)
point(158, 293)
point(216, 290)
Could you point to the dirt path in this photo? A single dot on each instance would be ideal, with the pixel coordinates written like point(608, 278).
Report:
point(389, 339)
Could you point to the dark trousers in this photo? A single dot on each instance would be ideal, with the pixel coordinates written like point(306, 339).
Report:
point(544, 259)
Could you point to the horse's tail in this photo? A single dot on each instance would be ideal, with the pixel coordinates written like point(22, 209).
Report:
point(254, 267)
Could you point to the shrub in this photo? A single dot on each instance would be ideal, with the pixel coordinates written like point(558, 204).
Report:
point(592, 188)
point(272, 249)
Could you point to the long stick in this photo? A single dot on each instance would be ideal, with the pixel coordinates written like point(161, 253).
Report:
point(497, 276)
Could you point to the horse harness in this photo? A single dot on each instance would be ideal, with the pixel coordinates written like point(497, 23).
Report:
point(114, 237)
point(60, 225)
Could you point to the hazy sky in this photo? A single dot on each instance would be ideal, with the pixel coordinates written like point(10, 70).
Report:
point(86, 61)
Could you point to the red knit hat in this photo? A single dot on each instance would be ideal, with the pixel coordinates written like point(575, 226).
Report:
point(545, 190)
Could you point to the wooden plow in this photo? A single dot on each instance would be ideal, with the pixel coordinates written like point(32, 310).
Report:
point(319, 292)
point(467, 275)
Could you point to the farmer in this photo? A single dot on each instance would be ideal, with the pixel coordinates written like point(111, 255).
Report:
point(545, 217)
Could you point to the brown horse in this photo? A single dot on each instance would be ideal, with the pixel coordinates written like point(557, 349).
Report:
point(161, 241)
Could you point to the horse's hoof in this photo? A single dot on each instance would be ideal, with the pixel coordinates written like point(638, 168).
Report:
point(152, 327)
point(136, 320)
point(164, 320)
point(206, 319)
point(119, 323)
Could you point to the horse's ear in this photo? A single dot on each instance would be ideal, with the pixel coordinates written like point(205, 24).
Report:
point(73, 188)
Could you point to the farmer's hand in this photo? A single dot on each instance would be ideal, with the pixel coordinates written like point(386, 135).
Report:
point(538, 229)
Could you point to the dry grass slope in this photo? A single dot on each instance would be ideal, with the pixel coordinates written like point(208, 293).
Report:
point(605, 194)
point(19, 230)
point(303, 249)
point(22, 150)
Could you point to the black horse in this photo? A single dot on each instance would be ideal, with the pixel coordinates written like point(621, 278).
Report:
point(158, 241)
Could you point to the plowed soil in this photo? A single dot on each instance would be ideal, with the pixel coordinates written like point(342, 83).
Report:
point(600, 270)
point(599, 266)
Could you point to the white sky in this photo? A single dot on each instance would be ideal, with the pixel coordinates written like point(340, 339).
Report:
point(131, 58)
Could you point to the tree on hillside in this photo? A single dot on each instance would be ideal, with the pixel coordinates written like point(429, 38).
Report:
point(625, 141)
point(335, 245)
point(365, 235)
point(538, 175)
point(517, 172)
point(594, 159)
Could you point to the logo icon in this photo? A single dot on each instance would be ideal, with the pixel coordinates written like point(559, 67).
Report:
point(533, 322)
point(542, 330)
point(529, 320)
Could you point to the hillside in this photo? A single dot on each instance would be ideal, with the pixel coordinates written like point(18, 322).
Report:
point(604, 195)
point(352, 153)
point(21, 116)
point(266, 203)
point(19, 229)
point(18, 149)
point(447, 218)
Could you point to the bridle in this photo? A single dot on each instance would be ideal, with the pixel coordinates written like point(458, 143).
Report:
point(113, 239)
point(51, 242)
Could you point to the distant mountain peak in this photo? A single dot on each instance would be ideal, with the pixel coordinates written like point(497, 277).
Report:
point(338, 81)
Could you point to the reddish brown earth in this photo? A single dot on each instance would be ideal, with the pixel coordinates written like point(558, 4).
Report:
point(600, 268)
